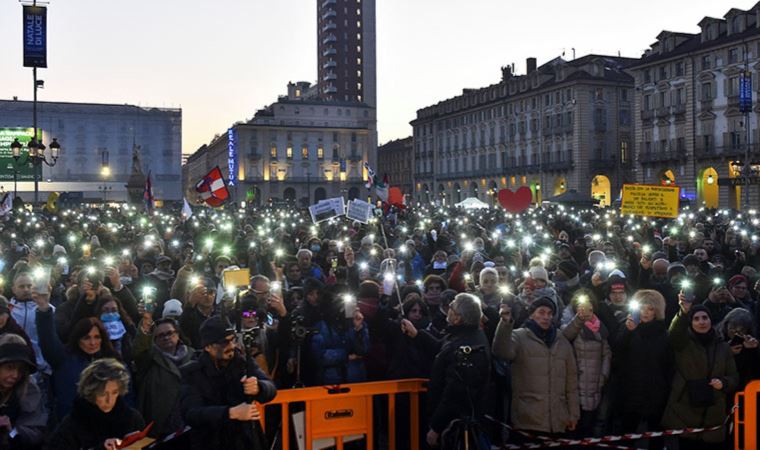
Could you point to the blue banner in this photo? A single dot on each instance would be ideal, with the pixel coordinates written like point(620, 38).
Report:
point(745, 93)
point(35, 36)
point(232, 156)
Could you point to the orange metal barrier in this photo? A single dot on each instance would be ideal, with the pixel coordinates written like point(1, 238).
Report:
point(340, 411)
point(745, 417)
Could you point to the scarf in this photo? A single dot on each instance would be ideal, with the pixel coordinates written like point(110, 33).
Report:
point(178, 355)
point(547, 336)
point(594, 324)
point(704, 339)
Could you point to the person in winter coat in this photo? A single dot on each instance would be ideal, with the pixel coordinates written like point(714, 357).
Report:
point(218, 393)
point(410, 357)
point(100, 417)
point(738, 329)
point(644, 364)
point(593, 357)
point(88, 341)
point(544, 372)
point(452, 391)
point(338, 347)
point(704, 381)
point(159, 353)
point(22, 414)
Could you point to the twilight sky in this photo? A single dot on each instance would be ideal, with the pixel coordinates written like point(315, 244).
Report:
point(221, 61)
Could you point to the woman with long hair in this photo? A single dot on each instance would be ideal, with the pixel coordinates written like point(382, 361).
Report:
point(88, 341)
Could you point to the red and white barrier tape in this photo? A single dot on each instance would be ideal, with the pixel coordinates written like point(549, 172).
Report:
point(602, 442)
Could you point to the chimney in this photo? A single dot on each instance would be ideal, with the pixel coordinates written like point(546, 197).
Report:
point(506, 73)
point(530, 64)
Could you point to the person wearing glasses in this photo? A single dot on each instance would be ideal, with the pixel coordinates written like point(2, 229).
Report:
point(219, 390)
point(159, 353)
point(100, 417)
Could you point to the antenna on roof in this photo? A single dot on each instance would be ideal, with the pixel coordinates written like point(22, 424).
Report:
point(573, 52)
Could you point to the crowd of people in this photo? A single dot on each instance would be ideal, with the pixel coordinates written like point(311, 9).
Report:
point(555, 322)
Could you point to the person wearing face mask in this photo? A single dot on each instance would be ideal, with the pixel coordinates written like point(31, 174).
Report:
point(542, 362)
point(642, 365)
point(705, 378)
point(121, 330)
point(100, 417)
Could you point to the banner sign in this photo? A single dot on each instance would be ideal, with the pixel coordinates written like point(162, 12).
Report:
point(739, 181)
point(359, 211)
point(650, 200)
point(232, 156)
point(327, 209)
point(745, 93)
point(35, 36)
point(7, 163)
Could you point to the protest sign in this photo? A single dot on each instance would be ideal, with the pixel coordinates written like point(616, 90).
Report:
point(650, 200)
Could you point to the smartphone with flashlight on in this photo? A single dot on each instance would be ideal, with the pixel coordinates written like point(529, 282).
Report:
point(148, 298)
point(349, 305)
point(41, 279)
point(635, 312)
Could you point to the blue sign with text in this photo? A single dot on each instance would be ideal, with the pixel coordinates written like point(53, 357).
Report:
point(35, 36)
point(232, 156)
point(745, 93)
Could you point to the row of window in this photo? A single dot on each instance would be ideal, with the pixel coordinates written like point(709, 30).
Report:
point(733, 55)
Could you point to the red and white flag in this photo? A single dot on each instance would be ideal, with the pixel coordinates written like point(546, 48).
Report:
point(212, 189)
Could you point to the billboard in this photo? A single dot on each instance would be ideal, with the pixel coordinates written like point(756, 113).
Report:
point(35, 36)
point(650, 200)
point(7, 163)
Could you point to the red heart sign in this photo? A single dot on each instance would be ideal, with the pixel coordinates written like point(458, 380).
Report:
point(516, 202)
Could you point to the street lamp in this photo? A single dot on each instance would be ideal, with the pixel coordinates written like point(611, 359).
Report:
point(37, 156)
point(16, 149)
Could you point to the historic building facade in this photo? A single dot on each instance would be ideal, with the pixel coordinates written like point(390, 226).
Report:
point(690, 131)
point(564, 125)
point(396, 159)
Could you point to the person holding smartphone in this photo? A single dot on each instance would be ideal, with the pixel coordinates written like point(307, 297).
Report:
point(739, 330)
point(643, 365)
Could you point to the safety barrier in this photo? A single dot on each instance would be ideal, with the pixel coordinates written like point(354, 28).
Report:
point(746, 425)
point(346, 410)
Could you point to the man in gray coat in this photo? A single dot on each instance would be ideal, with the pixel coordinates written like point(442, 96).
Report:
point(544, 375)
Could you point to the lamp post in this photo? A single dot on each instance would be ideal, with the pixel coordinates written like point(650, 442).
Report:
point(16, 150)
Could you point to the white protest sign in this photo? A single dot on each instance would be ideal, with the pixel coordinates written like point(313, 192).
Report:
point(359, 211)
point(327, 209)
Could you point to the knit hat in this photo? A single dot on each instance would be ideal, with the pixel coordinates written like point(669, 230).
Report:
point(539, 273)
point(736, 279)
point(172, 308)
point(17, 352)
point(568, 267)
point(675, 268)
point(367, 240)
point(58, 249)
point(215, 329)
point(370, 289)
point(543, 301)
point(698, 308)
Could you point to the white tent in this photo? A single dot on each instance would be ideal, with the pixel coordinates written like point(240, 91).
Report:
point(471, 202)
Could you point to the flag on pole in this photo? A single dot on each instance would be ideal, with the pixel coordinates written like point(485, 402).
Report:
point(187, 212)
point(373, 180)
point(148, 195)
point(212, 188)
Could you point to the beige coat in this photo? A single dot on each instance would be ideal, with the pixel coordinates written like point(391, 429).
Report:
point(594, 357)
point(544, 380)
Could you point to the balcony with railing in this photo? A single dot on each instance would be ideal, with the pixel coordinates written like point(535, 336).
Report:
point(329, 38)
point(647, 114)
point(330, 64)
point(656, 157)
point(602, 164)
point(679, 110)
point(329, 2)
point(329, 26)
point(330, 90)
point(328, 14)
point(663, 112)
point(330, 51)
point(329, 76)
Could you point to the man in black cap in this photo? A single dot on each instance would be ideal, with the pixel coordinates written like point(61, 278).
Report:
point(544, 374)
point(218, 391)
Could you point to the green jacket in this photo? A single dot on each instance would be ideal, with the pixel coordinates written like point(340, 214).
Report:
point(693, 361)
point(158, 385)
